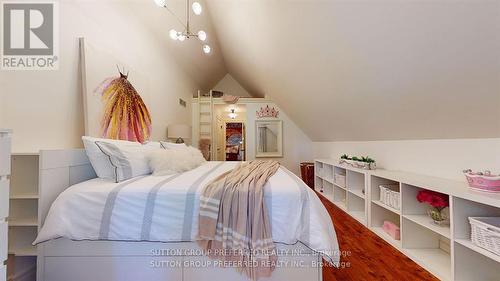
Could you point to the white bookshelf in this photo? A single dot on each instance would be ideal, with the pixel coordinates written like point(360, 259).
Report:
point(445, 251)
point(350, 196)
point(5, 169)
point(23, 216)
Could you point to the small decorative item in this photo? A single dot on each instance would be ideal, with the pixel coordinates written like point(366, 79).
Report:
point(267, 112)
point(392, 230)
point(365, 163)
point(483, 181)
point(438, 202)
point(125, 117)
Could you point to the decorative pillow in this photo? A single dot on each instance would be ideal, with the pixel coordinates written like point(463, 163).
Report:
point(171, 145)
point(128, 160)
point(100, 161)
point(173, 161)
point(153, 144)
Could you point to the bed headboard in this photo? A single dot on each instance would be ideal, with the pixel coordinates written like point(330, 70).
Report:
point(58, 170)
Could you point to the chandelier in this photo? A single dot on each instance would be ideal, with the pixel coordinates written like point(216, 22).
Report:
point(187, 33)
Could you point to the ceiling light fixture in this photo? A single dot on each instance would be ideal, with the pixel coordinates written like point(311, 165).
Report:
point(187, 33)
point(232, 115)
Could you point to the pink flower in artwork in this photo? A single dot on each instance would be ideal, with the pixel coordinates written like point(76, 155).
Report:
point(434, 199)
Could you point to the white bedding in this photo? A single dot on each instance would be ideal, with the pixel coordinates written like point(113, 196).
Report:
point(165, 209)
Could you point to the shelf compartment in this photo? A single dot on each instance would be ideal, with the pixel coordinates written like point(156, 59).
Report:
point(467, 258)
point(24, 177)
point(468, 243)
point(463, 209)
point(426, 247)
point(341, 205)
point(339, 194)
point(24, 266)
point(380, 214)
point(436, 261)
point(327, 190)
point(23, 211)
point(339, 197)
point(318, 183)
point(381, 233)
point(356, 207)
point(426, 221)
point(358, 193)
point(410, 204)
point(327, 172)
point(376, 182)
point(379, 203)
point(355, 181)
point(20, 239)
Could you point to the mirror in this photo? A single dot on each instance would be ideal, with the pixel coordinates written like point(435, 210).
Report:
point(269, 138)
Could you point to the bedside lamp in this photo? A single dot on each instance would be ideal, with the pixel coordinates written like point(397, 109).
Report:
point(179, 132)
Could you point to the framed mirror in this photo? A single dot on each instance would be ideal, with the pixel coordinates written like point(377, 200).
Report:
point(268, 138)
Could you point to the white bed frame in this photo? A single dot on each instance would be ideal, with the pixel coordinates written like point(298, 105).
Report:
point(66, 260)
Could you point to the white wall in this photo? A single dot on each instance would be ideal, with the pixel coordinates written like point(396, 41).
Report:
point(228, 85)
point(297, 147)
point(440, 158)
point(44, 108)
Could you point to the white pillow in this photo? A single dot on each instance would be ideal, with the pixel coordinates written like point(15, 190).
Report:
point(128, 160)
point(171, 145)
point(173, 161)
point(100, 161)
point(153, 144)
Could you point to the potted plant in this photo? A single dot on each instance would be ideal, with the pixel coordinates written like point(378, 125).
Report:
point(438, 201)
point(366, 163)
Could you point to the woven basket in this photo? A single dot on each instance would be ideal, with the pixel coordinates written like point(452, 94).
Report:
point(486, 233)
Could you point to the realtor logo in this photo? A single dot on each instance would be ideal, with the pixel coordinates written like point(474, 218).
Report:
point(29, 32)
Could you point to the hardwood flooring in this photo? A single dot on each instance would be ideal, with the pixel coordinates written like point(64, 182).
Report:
point(368, 256)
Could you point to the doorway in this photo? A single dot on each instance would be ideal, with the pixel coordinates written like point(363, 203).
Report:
point(230, 132)
point(235, 141)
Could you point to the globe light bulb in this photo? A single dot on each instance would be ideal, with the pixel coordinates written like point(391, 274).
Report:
point(207, 49)
point(173, 34)
point(181, 37)
point(197, 9)
point(161, 3)
point(202, 35)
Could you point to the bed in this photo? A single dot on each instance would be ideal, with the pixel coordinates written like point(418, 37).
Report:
point(145, 228)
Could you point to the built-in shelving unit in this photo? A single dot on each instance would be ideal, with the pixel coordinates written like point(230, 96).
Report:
point(23, 216)
point(446, 251)
point(343, 187)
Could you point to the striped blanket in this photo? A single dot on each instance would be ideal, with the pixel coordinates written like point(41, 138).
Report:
point(234, 223)
point(166, 209)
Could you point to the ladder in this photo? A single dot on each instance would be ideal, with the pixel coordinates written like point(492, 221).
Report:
point(205, 119)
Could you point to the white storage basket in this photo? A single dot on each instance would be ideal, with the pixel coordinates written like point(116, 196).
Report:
point(485, 233)
point(390, 197)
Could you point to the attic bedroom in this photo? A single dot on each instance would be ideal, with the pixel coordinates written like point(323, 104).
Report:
point(238, 140)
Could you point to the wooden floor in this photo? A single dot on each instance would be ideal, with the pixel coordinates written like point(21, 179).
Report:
point(369, 257)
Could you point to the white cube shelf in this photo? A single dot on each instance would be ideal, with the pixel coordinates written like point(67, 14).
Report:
point(445, 251)
point(23, 215)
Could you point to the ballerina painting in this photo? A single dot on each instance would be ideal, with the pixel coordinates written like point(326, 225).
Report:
point(125, 116)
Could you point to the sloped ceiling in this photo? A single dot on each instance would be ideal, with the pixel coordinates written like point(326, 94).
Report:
point(205, 70)
point(369, 70)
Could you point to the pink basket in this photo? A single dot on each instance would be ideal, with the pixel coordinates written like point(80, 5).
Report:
point(483, 183)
